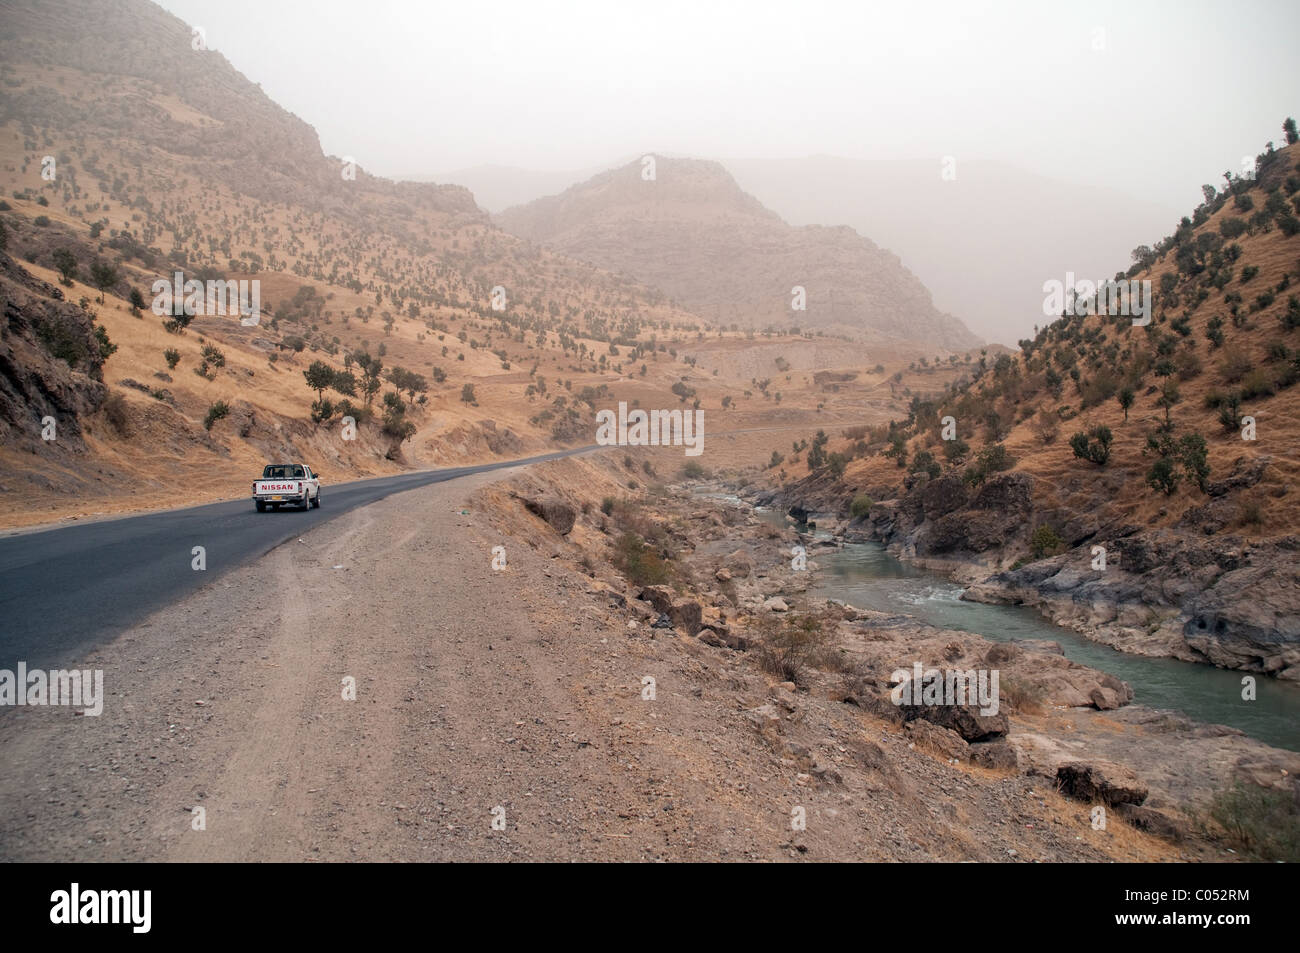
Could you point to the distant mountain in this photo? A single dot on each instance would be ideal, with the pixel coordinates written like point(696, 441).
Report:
point(983, 242)
point(499, 187)
point(692, 232)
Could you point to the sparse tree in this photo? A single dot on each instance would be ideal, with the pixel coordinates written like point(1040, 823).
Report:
point(1126, 398)
point(103, 275)
point(66, 264)
point(319, 376)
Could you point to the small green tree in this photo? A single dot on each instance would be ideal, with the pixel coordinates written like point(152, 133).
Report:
point(173, 357)
point(1163, 476)
point(66, 263)
point(103, 275)
point(319, 376)
point(1125, 398)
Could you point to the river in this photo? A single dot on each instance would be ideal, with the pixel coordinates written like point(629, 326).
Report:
point(867, 576)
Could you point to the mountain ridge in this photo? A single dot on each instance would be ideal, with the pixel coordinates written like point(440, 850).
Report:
point(674, 231)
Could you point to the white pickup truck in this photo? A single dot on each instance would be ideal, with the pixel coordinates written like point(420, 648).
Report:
point(286, 484)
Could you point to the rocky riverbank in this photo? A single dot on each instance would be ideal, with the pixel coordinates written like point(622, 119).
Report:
point(737, 590)
point(1194, 592)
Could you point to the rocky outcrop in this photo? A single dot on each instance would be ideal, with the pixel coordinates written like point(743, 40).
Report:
point(684, 613)
point(1100, 781)
point(1222, 601)
point(966, 721)
point(50, 362)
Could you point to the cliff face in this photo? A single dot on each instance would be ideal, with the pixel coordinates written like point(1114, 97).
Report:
point(50, 361)
point(692, 232)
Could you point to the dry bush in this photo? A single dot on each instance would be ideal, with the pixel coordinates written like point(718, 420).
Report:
point(118, 414)
point(790, 643)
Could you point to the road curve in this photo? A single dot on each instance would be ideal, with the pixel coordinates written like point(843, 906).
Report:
point(67, 590)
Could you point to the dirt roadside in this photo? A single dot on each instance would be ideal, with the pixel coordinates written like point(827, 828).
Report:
point(475, 690)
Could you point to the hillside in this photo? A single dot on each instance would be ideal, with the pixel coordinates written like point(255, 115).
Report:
point(1170, 446)
point(716, 250)
point(125, 147)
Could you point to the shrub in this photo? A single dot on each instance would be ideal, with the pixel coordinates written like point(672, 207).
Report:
point(1045, 542)
point(1232, 227)
point(173, 357)
point(1258, 383)
point(860, 506)
point(692, 470)
point(1093, 446)
point(1291, 317)
point(639, 563)
point(990, 459)
point(216, 412)
point(1163, 476)
point(116, 412)
point(1235, 364)
point(787, 643)
point(106, 347)
point(924, 461)
point(1263, 822)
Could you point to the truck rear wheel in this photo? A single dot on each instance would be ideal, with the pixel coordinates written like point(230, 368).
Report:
point(261, 506)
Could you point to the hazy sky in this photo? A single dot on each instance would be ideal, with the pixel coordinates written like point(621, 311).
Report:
point(1178, 91)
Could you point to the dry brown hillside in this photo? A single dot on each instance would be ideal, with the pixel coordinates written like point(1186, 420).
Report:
point(124, 147)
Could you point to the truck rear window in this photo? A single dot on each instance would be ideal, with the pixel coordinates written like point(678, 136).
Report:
point(283, 472)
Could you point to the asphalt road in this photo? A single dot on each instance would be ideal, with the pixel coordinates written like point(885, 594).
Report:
point(67, 590)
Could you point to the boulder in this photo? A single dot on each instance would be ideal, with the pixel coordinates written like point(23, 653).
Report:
point(686, 613)
point(1102, 781)
point(943, 740)
point(966, 720)
point(998, 755)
